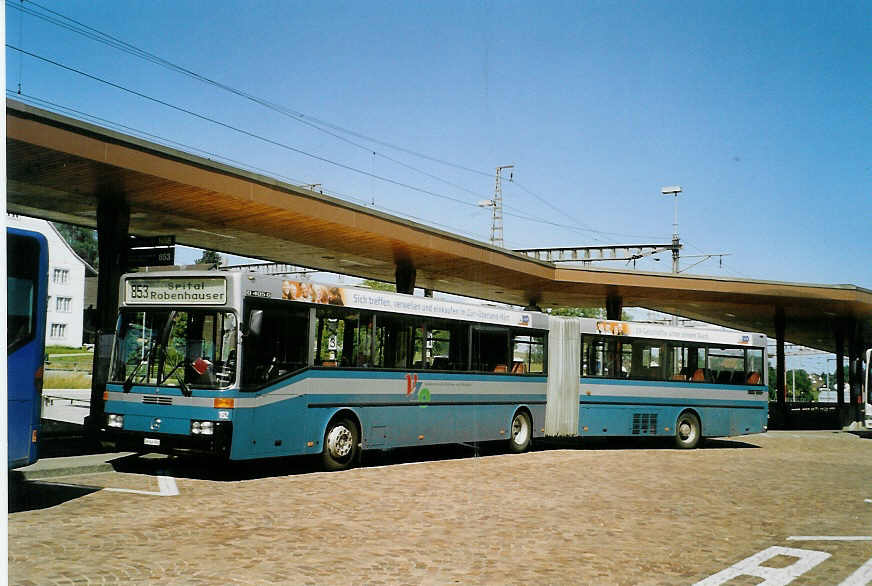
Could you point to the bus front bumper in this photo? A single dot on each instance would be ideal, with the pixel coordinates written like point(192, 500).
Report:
point(216, 444)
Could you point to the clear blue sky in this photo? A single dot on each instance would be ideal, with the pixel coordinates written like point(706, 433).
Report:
point(761, 111)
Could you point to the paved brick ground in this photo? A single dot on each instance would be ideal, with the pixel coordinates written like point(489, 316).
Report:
point(614, 513)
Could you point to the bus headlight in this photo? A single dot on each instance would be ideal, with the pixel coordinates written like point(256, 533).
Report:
point(202, 427)
point(113, 420)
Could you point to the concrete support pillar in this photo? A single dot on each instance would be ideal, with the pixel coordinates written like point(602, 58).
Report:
point(840, 361)
point(614, 307)
point(780, 388)
point(853, 378)
point(113, 222)
point(405, 277)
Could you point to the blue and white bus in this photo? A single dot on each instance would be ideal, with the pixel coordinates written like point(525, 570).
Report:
point(26, 304)
point(245, 365)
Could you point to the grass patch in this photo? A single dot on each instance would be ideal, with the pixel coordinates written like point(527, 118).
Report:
point(71, 362)
point(63, 350)
point(66, 380)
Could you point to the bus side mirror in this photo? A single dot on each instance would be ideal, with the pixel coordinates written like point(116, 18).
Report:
point(255, 322)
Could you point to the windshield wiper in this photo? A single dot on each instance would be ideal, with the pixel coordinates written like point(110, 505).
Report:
point(128, 382)
point(155, 344)
point(182, 385)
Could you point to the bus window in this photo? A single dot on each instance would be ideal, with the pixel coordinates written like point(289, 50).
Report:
point(754, 366)
point(444, 347)
point(599, 357)
point(528, 354)
point(625, 351)
point(280, 348)
point(490, 349)
point(683, 361)
point(393, 341)
point(726, 365)
point(342, 338)
point(22, 280)
point(647, 360)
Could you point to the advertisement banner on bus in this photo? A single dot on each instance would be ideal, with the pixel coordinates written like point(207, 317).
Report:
point(393, 302)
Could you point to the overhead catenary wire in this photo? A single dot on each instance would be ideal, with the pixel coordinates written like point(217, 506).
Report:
point(215, 156)
point(78, 27)
point(569, 216)
point(522, 216)
point(83, 29)
point(237, 129)
point(63, 21)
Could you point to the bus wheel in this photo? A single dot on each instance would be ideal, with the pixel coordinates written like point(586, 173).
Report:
point(687, 431)
point(341, 444)
point(522, 432)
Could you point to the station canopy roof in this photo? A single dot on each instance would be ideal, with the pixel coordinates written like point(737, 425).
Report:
point(58, 167)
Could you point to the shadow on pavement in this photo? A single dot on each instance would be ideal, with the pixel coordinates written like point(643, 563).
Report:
point(30, 495)
point(636, 443)
point(202, 468)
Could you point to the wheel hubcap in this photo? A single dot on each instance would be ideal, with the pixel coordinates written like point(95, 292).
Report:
point(685, 431)
point(339, 441)
point(520, 430)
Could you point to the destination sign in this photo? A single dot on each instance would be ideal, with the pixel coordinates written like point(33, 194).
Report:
point(151, 251)
point(176, 291)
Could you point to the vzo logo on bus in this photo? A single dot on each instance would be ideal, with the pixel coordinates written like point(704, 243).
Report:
point(415, 389)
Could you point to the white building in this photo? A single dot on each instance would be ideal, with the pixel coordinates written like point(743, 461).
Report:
point(66, 284)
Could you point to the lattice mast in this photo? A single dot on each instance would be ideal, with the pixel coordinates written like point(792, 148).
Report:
point(496, 234)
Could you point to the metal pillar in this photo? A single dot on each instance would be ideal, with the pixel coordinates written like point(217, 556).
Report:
point(113, 222)
point(405, 277)
point(614, 307)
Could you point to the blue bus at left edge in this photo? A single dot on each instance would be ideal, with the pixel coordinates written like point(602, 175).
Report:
point(26, 295)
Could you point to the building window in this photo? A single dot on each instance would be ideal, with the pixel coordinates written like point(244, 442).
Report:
point(58, 330)
point(63, 304)
point(60, 276)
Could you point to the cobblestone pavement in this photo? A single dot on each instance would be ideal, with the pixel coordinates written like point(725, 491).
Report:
point(611, 513)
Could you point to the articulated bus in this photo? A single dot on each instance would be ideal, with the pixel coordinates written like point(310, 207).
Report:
point(26, 304)
point(244, 366)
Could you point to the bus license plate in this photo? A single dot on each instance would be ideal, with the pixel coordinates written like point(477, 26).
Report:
point(151, 442)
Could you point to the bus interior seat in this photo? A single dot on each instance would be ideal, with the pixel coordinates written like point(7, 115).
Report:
point(754, 378)
point(440, 363)
point(699, 375)
point(724, 377)
point(500, 368)
point(519, 368)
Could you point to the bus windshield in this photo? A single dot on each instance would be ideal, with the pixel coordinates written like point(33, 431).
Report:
point(22, 278)
point(177, 348)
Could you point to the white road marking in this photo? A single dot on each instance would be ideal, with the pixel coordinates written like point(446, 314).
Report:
point(751, 566)
point(861, 577)
point(830, 538)
point(166, 484)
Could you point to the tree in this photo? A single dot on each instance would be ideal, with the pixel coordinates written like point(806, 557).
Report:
point(804, 390)
point(803, 385)
point(379, 285)
point(209, 257)
point(594, 312)
point(82, 240)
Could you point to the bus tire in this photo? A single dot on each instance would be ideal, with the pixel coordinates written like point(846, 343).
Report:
point(521, 432)
point(688, 431)
point(341, 444)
